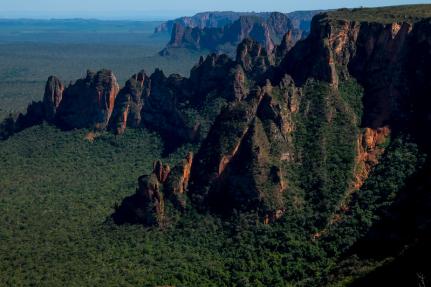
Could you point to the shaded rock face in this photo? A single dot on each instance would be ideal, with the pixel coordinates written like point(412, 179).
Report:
point(161, 111)
point(162, 187)
point(214, 73)
point(267, 31)
point(89, 102)
point(418, 67)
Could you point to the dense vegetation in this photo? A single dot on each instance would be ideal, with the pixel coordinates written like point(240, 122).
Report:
point(325, 138)
point(58, 190)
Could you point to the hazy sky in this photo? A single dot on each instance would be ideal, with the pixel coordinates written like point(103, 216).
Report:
point(162, 9)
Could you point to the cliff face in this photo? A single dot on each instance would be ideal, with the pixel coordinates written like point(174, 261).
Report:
point(378, 55)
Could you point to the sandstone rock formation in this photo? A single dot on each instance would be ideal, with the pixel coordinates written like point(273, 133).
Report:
point(52, 98)
point(89, 102)
point(162, 187)
point(129, 103)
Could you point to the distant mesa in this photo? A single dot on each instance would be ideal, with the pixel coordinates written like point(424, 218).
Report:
point(300, 20)
point(221, 32)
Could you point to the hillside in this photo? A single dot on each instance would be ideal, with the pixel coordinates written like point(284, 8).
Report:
point(305, 164)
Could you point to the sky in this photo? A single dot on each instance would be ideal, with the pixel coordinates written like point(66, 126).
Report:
point(167, 9)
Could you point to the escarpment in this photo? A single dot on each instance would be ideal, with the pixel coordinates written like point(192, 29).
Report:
point(379, 55)
point(306, 124)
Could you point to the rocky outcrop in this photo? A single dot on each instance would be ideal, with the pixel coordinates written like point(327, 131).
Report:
point(254, 59)
point(173, 106)
point(179, 109)
point(162, 187)
point(129, 103)
point(371, 145)
point(89, 102)
point(176, 185)
point(268, 31)
point(52, 98)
